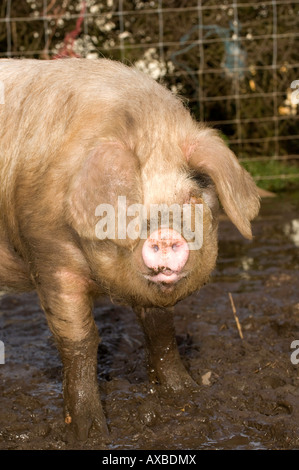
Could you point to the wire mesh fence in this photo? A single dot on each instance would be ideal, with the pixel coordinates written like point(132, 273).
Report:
point(237, 62)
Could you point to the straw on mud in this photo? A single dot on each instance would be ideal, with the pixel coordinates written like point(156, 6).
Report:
point(235, 315)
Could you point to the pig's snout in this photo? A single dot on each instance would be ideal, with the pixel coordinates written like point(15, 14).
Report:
point(165, 252)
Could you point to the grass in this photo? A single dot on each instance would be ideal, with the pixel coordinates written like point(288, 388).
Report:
point(274, 175)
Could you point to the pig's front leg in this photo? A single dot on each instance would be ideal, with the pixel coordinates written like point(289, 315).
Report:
point(163, 358)
point(67, 303)
point(82, 405)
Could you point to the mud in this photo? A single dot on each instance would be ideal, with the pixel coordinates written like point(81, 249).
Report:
point(248, 389)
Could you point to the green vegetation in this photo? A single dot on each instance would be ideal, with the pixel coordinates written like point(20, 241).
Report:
point(264, 173)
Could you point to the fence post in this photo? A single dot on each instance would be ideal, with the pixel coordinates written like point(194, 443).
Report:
point(2, 353)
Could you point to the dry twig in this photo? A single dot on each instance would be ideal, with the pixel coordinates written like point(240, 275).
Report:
point(235, 315)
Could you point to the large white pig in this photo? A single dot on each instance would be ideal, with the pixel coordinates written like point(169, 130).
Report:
point(77, 136)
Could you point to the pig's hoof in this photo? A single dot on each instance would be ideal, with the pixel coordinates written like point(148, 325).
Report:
point(81, 422)
point(185, 383)
point(83, 425)
point(174, 379)
point(80, 429)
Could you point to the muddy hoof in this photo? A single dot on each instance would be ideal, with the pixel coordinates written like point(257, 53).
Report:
point(79, 425)
point(83, 411)
point(174, 379)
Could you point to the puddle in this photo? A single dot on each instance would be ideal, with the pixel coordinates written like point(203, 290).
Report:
point(248, 396)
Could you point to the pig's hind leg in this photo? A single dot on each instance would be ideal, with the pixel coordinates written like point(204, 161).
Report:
point(13, 273)
point(163, 359)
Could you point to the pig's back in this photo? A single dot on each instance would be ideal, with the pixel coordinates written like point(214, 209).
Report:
point(47, 103)
point(55, 112)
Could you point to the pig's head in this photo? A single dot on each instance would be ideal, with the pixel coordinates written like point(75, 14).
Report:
point(146, 265)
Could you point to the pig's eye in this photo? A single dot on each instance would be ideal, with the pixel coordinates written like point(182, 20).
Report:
point(202, 180)
point(155, 248)
point(175, 247)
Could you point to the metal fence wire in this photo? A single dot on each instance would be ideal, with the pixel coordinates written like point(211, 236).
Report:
point(237, 62)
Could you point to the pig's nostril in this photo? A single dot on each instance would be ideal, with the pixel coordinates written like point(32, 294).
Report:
point(165, 248)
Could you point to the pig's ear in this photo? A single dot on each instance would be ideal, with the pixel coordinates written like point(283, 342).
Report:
point(109, 171)
point(235, 187)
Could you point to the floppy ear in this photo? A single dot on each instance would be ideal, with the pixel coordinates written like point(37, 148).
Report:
point(235, 187)
point(110, 171)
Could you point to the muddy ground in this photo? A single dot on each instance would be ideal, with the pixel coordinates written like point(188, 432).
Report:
point(248, 395)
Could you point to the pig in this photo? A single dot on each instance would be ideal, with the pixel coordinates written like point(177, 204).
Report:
point(76, 134)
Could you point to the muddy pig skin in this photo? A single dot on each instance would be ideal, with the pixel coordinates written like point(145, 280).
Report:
point(75, 134)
